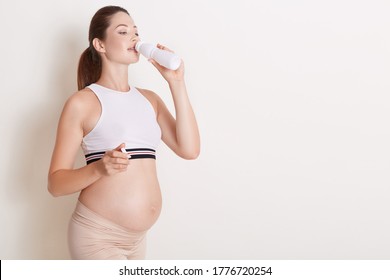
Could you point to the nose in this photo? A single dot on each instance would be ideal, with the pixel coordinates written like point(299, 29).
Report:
point(134, 39)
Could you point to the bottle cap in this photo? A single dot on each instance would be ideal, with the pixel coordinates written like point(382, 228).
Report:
point(138, 45)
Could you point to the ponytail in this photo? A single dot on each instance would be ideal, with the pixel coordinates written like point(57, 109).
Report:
point(90, 68)
point(90, 64)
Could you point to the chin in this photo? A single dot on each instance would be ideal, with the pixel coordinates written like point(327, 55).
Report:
point(133, 60)
point(129, 61)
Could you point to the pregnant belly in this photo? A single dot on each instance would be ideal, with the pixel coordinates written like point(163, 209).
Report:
point(131, 199)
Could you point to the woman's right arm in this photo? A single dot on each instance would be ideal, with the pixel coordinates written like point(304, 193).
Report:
point(62, 178)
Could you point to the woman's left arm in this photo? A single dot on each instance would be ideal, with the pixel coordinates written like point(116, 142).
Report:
point(180, 134)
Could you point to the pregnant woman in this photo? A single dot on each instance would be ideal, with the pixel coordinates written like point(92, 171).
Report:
point(119, 128)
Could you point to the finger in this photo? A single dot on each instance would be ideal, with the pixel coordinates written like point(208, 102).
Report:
point(115, 154)
point(164, 48)
point(120, 147)
point(155, 64)
point(120, 167)
point(119, 161)
point(119, 155)
point(123, 150)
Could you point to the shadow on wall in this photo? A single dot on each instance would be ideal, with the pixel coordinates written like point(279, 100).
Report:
point(43, 220)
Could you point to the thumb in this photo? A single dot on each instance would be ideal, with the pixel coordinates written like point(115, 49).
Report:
point(155, 64)
point(120, 147)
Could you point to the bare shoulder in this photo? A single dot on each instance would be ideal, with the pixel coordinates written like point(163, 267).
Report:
point(152, 97)
point(81, 98)
point(81, 101)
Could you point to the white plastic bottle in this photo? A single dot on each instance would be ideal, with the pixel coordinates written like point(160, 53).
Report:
point(165, 58)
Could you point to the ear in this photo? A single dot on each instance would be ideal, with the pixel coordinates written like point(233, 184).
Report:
point(98, 45)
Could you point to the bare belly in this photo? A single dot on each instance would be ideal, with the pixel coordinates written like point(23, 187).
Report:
point(131, 199)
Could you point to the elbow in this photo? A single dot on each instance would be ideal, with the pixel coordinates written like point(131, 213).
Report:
point(51, 187)
point(52, 190)
point(191, 154)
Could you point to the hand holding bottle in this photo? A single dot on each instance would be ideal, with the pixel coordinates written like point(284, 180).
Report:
point(168, 74)
point(162, 56)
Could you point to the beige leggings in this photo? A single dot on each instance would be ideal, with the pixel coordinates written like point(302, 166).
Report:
point(92, 237)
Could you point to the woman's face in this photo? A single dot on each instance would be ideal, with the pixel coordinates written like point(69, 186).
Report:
point(121, 37)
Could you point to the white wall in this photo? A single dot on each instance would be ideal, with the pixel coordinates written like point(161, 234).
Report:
point(292, 100)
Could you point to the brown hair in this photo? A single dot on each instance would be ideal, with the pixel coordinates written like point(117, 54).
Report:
point(90, 63)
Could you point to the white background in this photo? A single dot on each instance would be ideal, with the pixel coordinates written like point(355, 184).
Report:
point(292, 100)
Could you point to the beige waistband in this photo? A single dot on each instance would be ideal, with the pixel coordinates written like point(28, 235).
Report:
point(87, 217)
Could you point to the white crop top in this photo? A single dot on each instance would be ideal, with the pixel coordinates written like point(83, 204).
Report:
point(126, 117)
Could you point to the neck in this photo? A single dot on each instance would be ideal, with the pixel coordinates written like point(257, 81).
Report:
point(114, 76)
